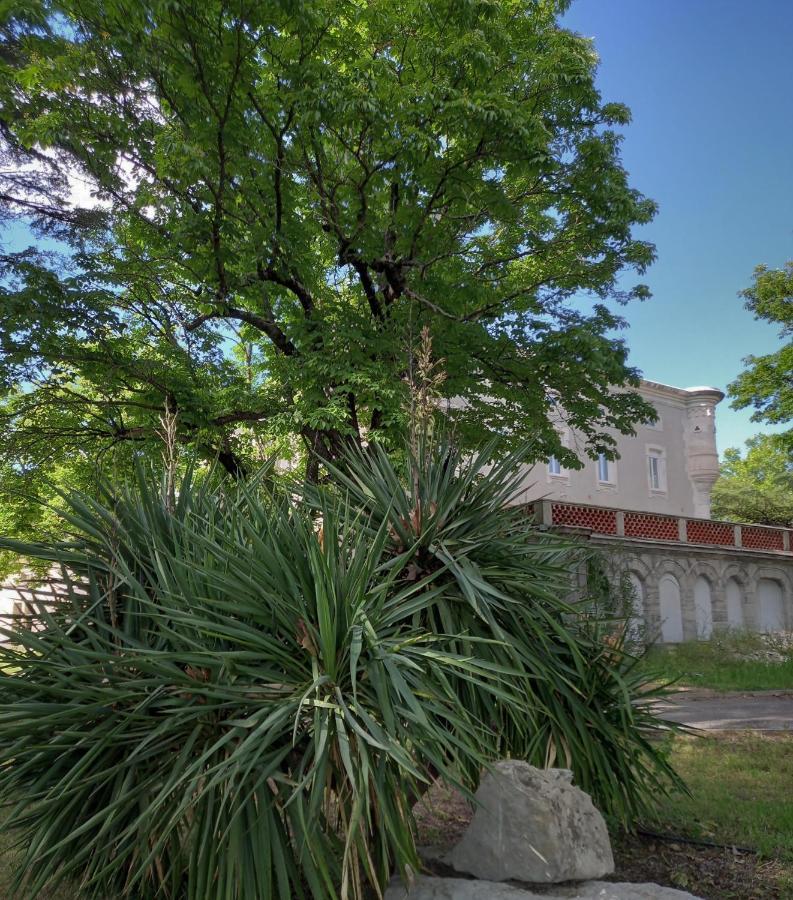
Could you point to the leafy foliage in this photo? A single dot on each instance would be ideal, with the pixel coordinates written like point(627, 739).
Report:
point(240, 695)
point(757, 487)
point(766, 384)
point(258, 206)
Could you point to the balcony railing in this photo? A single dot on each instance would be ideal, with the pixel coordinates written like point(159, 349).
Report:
point(645, 526)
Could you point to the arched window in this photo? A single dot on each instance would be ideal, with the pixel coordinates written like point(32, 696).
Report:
point(671, 612)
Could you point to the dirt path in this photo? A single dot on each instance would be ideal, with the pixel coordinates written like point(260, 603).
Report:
point(744, 711)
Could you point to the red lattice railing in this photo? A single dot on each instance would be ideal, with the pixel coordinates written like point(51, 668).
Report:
point(754, 537)
point(651, 526)
point(659, 527)
point(699, 531)
point(602, 521)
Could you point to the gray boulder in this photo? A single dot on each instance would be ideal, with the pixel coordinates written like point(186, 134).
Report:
point(533, 825)
point(462, 889)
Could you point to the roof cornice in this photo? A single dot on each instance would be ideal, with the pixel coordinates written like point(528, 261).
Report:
point(686, 395)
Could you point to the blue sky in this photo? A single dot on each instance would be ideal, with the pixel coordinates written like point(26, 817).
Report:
point(710, 86)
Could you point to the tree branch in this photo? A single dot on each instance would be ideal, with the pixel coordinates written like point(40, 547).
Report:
point(268, 326)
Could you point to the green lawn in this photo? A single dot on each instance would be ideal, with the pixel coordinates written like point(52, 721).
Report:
point(741, 792)
point(730, 662)
point(8, 865)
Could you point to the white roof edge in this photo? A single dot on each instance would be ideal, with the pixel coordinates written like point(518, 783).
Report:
point(681, 392)
point(700, 388)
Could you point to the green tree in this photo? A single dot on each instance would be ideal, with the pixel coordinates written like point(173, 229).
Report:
point(767, 383)
point(284, 195)
point(756, 487)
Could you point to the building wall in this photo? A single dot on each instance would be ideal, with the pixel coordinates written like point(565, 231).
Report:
point(717, 588)
point(18, 593)
point(686, 435)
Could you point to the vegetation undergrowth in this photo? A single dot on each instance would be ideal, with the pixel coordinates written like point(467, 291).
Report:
point(243, 686)
point(737, 783)
point(731, 661)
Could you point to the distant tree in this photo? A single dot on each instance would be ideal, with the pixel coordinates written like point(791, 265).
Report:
point(757, 487)
point(284, 194)
point(767, 383)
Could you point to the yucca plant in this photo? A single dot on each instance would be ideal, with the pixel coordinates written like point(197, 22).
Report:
point(510, 592)
point(241, 689)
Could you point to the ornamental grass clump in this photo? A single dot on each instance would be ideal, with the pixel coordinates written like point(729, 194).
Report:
point(242, 688)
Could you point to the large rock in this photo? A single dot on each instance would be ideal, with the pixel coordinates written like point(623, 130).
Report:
point(462, 889)
point(533, 825)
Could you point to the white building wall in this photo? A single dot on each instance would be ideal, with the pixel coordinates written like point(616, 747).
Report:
point(684, 438)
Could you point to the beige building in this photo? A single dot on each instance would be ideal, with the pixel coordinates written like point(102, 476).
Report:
point(649, 510)
point(668, 467)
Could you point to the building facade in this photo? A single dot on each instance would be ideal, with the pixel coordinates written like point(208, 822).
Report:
point(668, 467)
point(649, 511)
point(690, 576)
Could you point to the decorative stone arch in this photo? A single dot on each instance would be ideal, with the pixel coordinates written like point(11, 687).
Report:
point(763, 617)
point(716, 616)
point(708, 569)
point(739, 573)
point(781, 574)
point(666, 566)
point(642, 624)
point(637, 566)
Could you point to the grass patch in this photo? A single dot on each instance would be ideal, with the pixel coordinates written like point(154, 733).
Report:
point(734, 661)
point(740, 787)
point(9, 863)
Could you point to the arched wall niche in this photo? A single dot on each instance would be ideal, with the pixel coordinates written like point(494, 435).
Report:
point(636, 623)
point(703, 607)
point(735, 598)
point(670, 609)
point(771, 605)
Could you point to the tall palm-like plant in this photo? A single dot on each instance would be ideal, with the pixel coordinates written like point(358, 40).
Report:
point(241, 688)
point(507, 591)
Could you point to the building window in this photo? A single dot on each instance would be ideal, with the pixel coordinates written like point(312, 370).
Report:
point(556, 471)
point(606, 470)
point(656, 468)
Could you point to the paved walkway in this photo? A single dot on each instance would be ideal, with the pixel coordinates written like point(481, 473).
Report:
point(745, 711)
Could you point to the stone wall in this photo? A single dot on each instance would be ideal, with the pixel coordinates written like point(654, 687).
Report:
point(691, 577)
point(717, 588)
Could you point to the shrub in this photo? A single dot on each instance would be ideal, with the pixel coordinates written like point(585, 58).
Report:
point(241, 690)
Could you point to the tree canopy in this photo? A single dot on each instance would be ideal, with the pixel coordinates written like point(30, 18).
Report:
point(247, 212)
point(758, 486)
point(767, 383)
